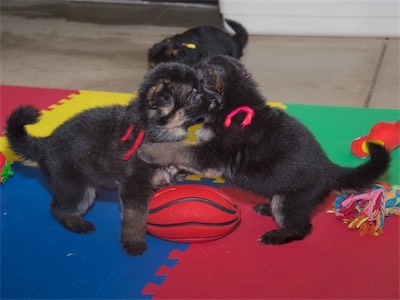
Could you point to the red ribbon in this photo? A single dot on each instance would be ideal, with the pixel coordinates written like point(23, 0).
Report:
point(247, 120)
point(135, 145)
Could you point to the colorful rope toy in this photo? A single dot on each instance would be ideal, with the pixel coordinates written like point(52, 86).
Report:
point(385, 133)
point(5, 168)
point(367, 211)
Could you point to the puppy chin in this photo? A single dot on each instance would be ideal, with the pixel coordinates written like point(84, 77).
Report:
point(160, 134)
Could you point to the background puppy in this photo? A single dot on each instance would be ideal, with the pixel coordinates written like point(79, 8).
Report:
point(95, 150)
point(198, 43)
point(265, 151)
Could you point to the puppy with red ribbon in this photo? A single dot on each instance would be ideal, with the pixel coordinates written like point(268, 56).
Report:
point(96, 149)
point(265, 151)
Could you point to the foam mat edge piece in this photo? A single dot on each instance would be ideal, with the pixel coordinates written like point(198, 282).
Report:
point(65, 109)
point(58, 114)
point(162, 272)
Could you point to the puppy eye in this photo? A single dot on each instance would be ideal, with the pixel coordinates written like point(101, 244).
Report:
point(194, 96)
point(165, 99)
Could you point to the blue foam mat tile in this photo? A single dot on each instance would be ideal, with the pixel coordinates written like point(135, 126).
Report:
point(40, 259)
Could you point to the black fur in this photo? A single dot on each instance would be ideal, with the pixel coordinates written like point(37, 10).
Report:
point(275, 156)
point(208, 41)
point(86, 153)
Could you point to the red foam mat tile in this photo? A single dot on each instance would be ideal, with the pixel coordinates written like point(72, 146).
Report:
point(162, 272)
point(333, 262)
point(42, 98)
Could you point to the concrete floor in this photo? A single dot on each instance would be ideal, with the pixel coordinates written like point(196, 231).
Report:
point(104, 47)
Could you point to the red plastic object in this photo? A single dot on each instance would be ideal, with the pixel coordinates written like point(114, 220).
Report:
point(386, 133)
point(42, 98)
point(192, 214)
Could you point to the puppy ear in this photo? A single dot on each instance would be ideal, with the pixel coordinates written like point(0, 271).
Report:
point(152, 93)
point(215, 79)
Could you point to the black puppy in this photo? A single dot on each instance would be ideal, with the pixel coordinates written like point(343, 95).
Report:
point(96, 150)
point(198, 43)
point(265, 151)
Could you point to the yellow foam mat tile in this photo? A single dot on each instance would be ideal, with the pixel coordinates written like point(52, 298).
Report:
point(57, 114)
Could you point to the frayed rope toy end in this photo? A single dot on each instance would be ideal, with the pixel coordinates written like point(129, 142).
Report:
point(366, 211)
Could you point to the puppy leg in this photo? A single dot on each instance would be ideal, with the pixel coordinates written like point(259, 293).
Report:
point(135, 195)
point(165, 154)
point(133, 232)
point(195, 159)
point(263, 209)
point(70, 203)
point(293, 216)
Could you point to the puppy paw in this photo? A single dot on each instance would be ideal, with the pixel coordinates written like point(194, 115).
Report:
point(182, 175)
point(134, 248)
point(281, 236)
point(78, 225)
point(85, 227)
point(263, 209)
point(270, 238)
point(165, 154)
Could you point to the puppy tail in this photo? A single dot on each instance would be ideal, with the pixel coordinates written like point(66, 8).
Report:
point(241, 36)
point(20, 141)
point(363, 176)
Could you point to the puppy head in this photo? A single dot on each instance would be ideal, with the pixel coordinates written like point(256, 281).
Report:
point(226, 82)
point(170, 50)
point(171, 100)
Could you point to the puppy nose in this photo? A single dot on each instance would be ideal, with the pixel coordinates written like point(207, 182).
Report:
point(199, 120)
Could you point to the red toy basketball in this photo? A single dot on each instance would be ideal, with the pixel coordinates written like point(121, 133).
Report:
point(192, 214)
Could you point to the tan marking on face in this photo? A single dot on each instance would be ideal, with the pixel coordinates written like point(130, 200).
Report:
point(177, 120)
point(204, 134)
point(177, 133)
point(151, 113)
point(166, 110)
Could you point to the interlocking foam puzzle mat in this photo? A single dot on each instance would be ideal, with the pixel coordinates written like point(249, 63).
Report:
point(42, 260)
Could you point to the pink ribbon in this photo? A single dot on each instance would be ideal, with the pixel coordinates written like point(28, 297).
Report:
point(247, 119)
